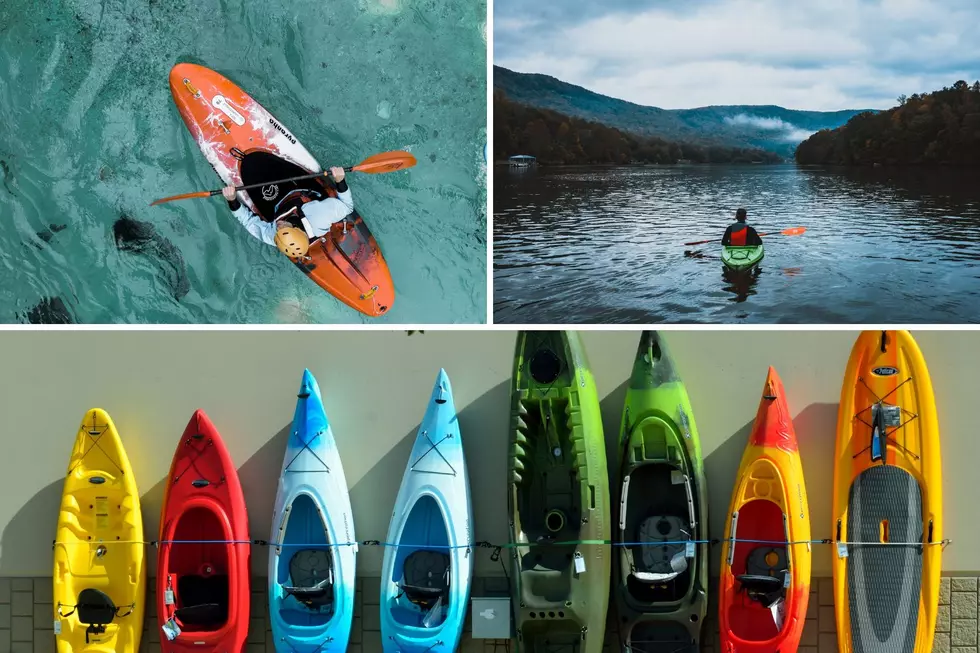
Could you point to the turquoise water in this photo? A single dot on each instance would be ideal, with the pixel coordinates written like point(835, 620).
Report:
point(92, 134)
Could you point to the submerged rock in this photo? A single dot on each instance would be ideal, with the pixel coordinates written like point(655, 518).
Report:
point(143, 238)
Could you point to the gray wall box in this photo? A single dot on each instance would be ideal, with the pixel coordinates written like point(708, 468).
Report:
point(491, 618)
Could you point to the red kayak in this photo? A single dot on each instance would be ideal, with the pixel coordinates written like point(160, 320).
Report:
point(203, 560)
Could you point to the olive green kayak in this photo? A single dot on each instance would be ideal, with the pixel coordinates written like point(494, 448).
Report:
point(558, 491)
point(742, 258)
point(661, 571)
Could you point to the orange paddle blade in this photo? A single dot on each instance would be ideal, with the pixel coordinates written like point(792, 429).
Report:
point(792, 231)
point(186, 196)
point(386, 162)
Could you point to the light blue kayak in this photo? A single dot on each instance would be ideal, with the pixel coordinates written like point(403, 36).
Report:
point(311, 579)
point(425, 581)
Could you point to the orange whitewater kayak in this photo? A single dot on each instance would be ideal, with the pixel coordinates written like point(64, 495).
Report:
point(245, 144)
point(765, 576)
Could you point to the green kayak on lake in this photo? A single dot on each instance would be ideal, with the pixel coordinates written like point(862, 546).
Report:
point(741, 257)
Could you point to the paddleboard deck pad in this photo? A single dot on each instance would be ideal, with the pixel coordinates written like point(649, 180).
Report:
point(884, 582)
point(245, 144)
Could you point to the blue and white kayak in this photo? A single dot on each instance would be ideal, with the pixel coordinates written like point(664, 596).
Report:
point(425, 579)
point(311, 564)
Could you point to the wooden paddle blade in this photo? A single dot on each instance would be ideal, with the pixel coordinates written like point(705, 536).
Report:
point(186, 196)
point(386, 162)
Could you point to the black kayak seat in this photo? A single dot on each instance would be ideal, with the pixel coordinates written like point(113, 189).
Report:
point(95, 607)
point(203, 600)
point(203, 614)
point(767, 590)
point(425, 577)
point(311, 574)
point(97, 610)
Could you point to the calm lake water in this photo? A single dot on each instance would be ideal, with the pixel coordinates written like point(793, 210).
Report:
point(605, 245)
point(91, 134)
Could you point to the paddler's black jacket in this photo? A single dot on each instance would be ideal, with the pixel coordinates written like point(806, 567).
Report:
point(741, 234)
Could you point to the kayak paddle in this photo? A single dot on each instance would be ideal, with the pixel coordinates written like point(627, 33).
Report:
point(378, 163)
point(793, 231)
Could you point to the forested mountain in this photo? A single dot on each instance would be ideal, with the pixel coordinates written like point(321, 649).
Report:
point(558, 139)
point(940, 128)
point(772, 128)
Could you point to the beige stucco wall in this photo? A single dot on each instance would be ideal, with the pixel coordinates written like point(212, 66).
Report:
point(375, 386)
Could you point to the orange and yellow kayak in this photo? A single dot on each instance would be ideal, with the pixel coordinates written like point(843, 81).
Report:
point(765, 575)
point(245, 144)
point(887, 518)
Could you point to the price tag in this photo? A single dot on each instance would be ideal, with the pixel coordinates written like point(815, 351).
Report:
point(57, 626)
point(842, 550)
point(579, 563)
point(677, 477)
point(778, 610)
point(171, 629)
point(689, 550)
point(168, 597)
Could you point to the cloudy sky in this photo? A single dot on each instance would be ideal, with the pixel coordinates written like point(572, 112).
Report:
point(800, 54)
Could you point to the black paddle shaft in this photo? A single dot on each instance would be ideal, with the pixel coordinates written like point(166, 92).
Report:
point(283, 181)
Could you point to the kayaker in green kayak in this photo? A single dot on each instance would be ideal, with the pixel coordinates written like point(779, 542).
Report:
point(740, 234)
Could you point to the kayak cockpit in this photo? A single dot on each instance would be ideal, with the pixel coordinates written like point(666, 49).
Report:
point(199, 564)
point(305, 569)
point(761, 568)
point(657, 523)
point(423, 573)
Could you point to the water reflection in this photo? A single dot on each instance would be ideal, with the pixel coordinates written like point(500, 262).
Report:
point(741, 282)
point(606, 245)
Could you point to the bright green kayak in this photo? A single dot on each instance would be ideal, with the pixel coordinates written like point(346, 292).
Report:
point(742, 258)
point(661, 572)
point(558, 494)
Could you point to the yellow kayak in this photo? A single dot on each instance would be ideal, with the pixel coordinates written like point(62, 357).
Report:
point(887, 518)
point(99, 557)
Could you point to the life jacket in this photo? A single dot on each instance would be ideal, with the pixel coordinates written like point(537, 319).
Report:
point(739, 234)
point(291, 208)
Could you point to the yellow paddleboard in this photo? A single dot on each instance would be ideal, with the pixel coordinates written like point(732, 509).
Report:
point(887, 520)
point(99, 556)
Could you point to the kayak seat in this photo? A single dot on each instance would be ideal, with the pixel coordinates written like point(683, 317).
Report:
point(203, 600)
point(311, 575)
point(96, 610)
point(766, 568)
point(95, 607)
point(662, 556)
point(766, 590)
point(425, 577)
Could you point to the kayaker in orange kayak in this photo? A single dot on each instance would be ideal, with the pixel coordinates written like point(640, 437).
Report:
point(740, 234)
point(294, 230)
